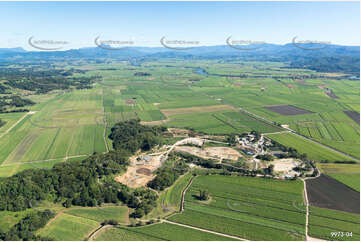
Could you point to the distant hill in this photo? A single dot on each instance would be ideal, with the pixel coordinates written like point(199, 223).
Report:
point(330, 58)
point(11, 50)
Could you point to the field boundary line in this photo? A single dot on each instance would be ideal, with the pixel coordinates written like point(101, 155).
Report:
point(279, 132)
point(105, 123)
point(323, 145)
point(99, 229)
point(251, 215)
point(181, 209)
point(69, 146)
point(322, 216)
point(16, 123)
point(260, 204)
point(51, 220)
point(294, 132)
point(205, 230)
point(253, 197)
point(40, 161)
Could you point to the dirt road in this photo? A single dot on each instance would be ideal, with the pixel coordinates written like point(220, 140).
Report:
point(99, 229)
point(307, 204)
point(204, 230)
point(12, 126)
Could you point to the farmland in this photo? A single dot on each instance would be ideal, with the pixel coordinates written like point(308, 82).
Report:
point(66, 126)
point(324, 222)
point(246, 207)
point(63, 128)
point(349, 174)
point(68, 227)
point(287, 110)
point(313, 150)
point(72, 123)
point(326, 192)
point(100, 214)
point(162, 231)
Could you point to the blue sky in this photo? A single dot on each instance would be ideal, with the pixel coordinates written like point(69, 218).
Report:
point(79, 23)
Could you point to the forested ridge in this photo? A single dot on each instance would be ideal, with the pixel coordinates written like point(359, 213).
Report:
point(8, 103)
point(42, 80)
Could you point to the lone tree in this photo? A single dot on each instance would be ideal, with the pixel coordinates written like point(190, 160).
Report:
point(270, 169)
point(203, 195)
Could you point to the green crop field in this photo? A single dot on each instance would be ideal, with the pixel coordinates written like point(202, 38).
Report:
point(174, 193)
point(323, 223)
point(314, 151)
point(11, 169)
point(169, 200)
point(162, 231)
point(101, 214)
point(351, 180)
point(349, 174)
point(250, 208)
point(67, 124)
point(68, 227)
point(10, 119)
point(74, 122)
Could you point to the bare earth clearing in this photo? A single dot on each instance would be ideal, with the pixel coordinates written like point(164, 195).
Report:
point(139, 173)
point(211, 152)
point(142, 166)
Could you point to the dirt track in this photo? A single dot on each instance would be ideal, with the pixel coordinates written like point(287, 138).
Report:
point(12, 126)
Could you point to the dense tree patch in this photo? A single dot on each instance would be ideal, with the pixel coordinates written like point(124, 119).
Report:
point(24, 230)
point(131, 135)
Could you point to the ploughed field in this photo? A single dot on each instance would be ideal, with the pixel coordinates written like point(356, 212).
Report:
point(354, 115)
point(327, 192)
point(246, 207)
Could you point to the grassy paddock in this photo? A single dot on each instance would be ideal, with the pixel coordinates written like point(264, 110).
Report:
point(68, 227)
point(162, 231)
point(314, 151)
point(324, 222)
point(250, 208)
